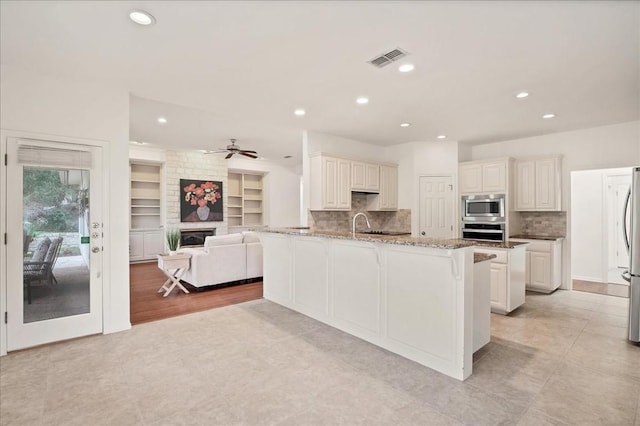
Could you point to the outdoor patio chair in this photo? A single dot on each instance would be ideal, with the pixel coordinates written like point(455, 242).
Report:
point(40, 266)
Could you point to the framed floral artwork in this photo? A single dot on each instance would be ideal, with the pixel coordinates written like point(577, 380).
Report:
point(200, 201)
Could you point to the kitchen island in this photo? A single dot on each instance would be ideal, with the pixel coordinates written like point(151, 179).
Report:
point(411, 296)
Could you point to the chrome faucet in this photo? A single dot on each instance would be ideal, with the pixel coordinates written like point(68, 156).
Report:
point(354, 221)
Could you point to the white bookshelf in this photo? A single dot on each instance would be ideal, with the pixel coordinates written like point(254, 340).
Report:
point(146, 236)
point(244, 199)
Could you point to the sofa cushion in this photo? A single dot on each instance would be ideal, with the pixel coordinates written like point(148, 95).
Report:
point(222, 240)
point(250, 237)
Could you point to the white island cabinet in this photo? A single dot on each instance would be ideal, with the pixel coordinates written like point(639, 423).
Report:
point(409, 296)
point(507, 275)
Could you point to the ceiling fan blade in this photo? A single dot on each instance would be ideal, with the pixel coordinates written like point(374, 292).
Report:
point(249, 151)
point(229, 155)
point(248, 154)
point(219, 151)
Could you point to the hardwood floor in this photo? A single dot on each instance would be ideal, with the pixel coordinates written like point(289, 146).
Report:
point(149, 305)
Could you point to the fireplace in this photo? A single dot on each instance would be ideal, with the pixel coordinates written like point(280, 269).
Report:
point(195, 237)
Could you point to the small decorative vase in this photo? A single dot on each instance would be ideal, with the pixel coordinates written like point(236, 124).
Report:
point(173, 252)
point(203, 212)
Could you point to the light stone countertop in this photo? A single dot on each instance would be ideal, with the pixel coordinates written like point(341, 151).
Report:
point(538, 237)
point(394, 239)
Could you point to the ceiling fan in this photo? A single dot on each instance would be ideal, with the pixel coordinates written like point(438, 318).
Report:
point(234, 149)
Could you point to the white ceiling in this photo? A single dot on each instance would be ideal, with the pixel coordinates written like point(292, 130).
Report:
point(218, 70)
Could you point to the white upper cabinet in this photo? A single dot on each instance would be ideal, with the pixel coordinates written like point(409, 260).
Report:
point(494, 176)
point(330, 183)
point(365, 177)
point(387, 199)
point(537, 184)
point(470, 178)
point(488, 177)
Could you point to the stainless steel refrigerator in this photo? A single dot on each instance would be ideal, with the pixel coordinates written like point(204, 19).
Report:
point(632, 240)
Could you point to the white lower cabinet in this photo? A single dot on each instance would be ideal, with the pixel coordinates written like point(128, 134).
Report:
point(498, 279)
point(145, 245)
point(544, 264)
point(507, 275)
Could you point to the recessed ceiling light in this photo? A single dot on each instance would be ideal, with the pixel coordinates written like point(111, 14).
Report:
point(522, 95)
point(406, 68)
point(299, 112)
point(442, 136)
point(138, 143)
point(405, 124)
point(362, 100)
point(162, 120)
point(141, 17)
point(549, 115)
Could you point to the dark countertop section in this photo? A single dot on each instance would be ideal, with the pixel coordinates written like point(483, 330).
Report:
point(481, 257)
point(538, 237)
point(405, 240)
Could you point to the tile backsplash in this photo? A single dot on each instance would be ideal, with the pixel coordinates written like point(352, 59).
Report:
point(397, 221)
point(544, 223)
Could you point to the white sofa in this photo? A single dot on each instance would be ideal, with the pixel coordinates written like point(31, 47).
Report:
point(224, 259)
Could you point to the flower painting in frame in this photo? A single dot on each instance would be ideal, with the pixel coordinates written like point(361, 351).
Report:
point(200, 201)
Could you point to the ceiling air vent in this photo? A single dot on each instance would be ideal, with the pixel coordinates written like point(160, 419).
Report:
point(388, 57)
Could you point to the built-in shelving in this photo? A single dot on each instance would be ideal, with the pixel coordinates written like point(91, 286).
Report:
point(244, 199)
point(145, 196)
point(146, 237)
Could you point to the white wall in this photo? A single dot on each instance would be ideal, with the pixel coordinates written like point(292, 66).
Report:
point(603, 147)
point(586, 225)
point(45, 105)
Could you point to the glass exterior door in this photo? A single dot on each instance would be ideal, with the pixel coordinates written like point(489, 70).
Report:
point(54, 278)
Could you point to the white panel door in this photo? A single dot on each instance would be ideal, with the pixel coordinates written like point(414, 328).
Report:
point(54, 284)
point(310, 290)
point(343, 184)
point(153, 243)
point(277, 260)
point(136, 246)
point(436, 207)
point(372, 177)
point(525, 185)
point(494, 177)
point(470, 176)
point(499, 286)
point(358, 178)
point(540, 269)
point(330, 183)
point(355, 286)
point(546, 184)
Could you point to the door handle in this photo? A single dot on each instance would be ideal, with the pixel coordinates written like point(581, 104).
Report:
point(624, 221)
point(626, 276)
point(95, 249)
point(423, 233)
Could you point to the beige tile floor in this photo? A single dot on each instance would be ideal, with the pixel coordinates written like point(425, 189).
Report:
point(560, 359)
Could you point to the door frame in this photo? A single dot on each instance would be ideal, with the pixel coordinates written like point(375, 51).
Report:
point(5, 134)
point(455, 209)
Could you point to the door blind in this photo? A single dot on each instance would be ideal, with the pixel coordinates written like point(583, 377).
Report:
point(53, 156)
